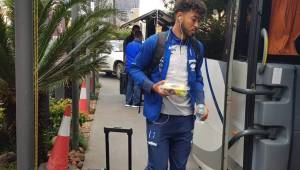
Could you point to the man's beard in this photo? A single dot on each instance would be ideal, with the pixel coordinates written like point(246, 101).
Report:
point(186, 32)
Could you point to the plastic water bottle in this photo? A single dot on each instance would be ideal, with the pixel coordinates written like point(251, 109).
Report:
point(199, 111)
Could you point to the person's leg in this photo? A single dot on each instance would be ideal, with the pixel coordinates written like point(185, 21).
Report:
point(181, 144)
point(136, 99)
point(158, 146)
point(129, 91)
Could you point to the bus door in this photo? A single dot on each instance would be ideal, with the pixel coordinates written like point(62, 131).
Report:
point(262, 119)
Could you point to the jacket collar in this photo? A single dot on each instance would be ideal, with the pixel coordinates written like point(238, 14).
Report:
point(174, 39)
point(138, 41)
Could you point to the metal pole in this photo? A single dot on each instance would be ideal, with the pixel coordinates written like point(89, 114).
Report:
point(24, 84)
point(115, 14)
point(93, 82)
point(88, 88)
point(234, 13)
point(60, 92)
point(96, 3)
point(254, 38)
point(75, 98)
point(88, 76)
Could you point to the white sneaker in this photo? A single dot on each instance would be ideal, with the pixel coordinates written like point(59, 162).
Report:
point(127, 105)
point(135, 106)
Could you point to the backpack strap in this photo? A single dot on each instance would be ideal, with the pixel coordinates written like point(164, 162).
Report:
point(159, 52)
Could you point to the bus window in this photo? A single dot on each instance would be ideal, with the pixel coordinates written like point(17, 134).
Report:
point(243, 31)
point(284, 27)
point(281, 38)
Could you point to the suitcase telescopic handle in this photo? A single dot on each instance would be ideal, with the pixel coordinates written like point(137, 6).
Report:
point(118, 130)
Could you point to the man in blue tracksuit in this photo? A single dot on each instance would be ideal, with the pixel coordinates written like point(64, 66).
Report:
point(133, 91)
point(170, 118)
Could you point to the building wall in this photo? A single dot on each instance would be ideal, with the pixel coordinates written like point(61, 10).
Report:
point(128, 8)
point(149, 5)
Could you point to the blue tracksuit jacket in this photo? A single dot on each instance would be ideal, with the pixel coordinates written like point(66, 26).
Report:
point(132, 49)
point(152, 100)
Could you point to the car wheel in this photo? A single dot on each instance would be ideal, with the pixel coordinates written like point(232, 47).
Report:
point(119, 69)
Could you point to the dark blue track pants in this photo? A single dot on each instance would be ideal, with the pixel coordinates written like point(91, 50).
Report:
point(133, 92)
point(169, 139)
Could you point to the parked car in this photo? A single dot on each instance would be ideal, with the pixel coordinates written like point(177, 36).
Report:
point(114, 60)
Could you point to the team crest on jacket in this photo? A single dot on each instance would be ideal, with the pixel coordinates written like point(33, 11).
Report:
point(192, 65)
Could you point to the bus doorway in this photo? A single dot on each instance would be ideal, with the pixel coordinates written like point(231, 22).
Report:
point(255, 124)
point(262, 119)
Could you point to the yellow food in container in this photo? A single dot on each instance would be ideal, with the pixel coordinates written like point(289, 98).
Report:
point(179, 89)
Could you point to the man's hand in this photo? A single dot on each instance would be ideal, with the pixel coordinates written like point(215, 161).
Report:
point(205, 116)
point(156, 87)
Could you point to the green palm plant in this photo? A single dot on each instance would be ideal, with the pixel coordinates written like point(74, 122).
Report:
point(60, 60)
point(7, 76)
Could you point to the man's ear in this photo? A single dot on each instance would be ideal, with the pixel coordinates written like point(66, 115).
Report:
point(180, 18)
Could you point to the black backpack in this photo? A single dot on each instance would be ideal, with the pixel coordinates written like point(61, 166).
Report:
point(159, 53)
point(160, 49)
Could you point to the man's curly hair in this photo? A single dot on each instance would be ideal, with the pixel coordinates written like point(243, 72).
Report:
point(186, 5)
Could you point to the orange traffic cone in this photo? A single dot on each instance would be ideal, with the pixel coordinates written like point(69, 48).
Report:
point(58, 159)
point(83, 102)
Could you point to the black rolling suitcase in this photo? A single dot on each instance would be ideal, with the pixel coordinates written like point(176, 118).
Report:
point(123, 82)
point(118, 130)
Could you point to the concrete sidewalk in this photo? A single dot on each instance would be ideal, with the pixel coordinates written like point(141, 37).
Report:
point(111, 112)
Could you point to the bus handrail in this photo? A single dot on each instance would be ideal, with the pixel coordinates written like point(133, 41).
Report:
point(248, 132)
point(253, 91)
point(264, 34)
